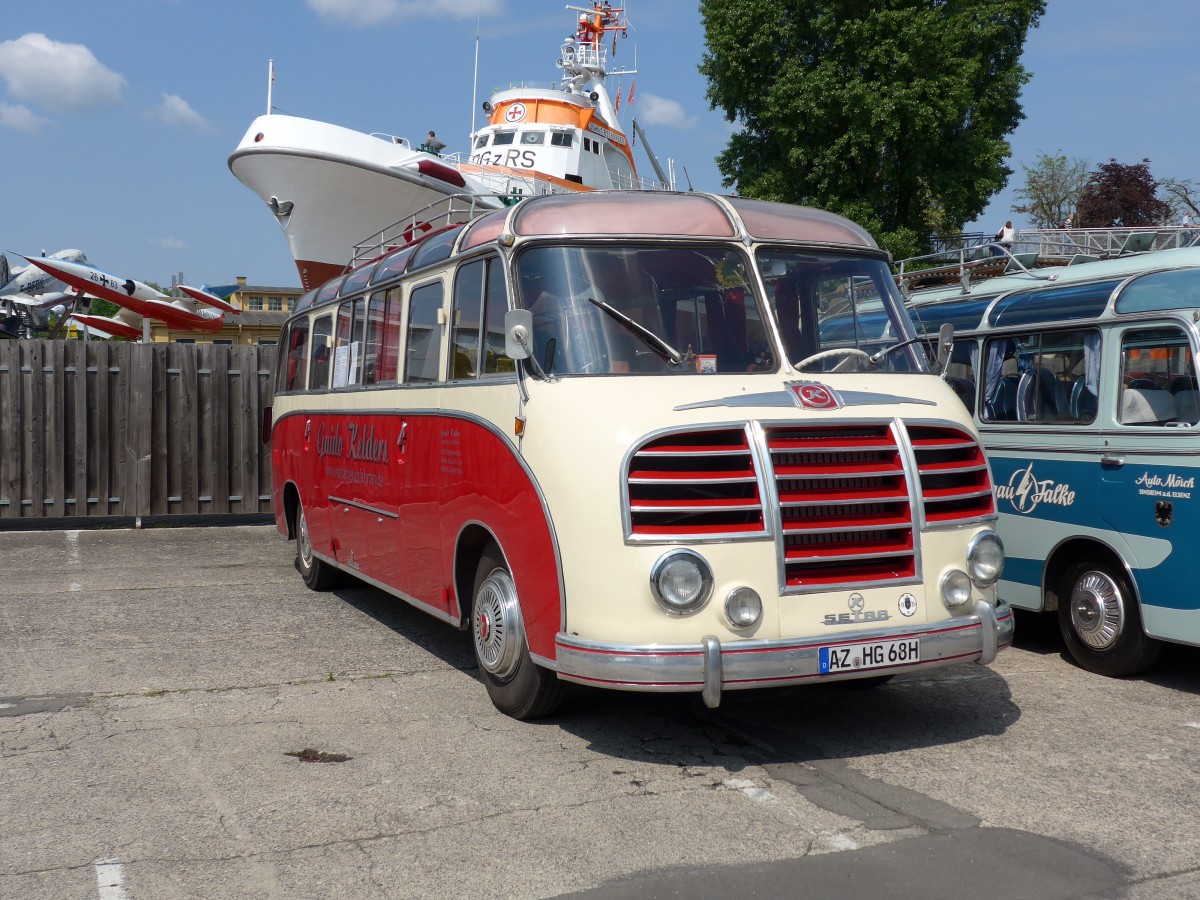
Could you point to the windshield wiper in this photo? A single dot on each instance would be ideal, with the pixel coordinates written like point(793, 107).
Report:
point(673, 355)
point(876, 357)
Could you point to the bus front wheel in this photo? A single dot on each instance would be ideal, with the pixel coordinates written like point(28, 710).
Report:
point(517, 686)
point(1100, 622)
point(317, 574)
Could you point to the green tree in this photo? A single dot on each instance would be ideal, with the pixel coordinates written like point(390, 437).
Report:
point(891, 112)
point(1120, 194)
point(1053, 185)
point(1181, 195)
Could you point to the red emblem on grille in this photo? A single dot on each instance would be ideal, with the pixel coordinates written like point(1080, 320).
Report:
point(810, 395)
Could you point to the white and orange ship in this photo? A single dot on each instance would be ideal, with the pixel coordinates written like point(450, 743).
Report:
point(330, 187)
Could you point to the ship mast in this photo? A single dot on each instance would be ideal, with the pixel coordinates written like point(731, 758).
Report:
point(584, 59)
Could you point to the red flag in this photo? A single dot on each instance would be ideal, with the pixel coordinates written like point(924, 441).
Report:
point(632, 88)
point(617, 105)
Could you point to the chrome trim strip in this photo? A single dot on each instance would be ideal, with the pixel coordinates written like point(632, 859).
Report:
point(638, 447)
point(412, 601)
point(900, 441)
point(768, 663)
point(364, 507)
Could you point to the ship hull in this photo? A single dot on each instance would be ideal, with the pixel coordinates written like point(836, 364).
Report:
point(342, 186)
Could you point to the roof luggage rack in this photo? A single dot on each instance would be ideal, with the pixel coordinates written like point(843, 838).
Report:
point(1035, 249)
point(453, 209)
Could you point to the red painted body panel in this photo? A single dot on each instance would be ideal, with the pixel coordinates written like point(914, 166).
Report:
point(444, 474)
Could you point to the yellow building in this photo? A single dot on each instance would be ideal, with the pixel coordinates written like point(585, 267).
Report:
point(263, 312)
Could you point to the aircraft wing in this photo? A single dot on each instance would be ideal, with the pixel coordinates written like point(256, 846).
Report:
point(40, 301)
point(207, 299)
point(125, 323)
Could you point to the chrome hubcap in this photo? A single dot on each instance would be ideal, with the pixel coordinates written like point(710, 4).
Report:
point(1097, 610)
point(303, 541)
point(496, 625)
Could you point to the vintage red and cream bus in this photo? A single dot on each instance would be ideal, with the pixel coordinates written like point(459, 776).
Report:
point(642, 441)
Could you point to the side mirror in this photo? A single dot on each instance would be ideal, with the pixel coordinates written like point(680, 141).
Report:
point(518, 334)
point(945, 346)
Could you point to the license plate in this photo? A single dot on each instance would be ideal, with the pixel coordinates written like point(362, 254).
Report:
point(873, 655)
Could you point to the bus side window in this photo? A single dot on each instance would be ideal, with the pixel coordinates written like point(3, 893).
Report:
point(374, 341)
point(389, 360)
point(1157, 378)
point(495, 305)
point(347, 348)
point(295, 367)
point(322, 335)
point(423, 341)
point(466, 316)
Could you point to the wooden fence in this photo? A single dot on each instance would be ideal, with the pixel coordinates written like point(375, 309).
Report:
point(89, 428)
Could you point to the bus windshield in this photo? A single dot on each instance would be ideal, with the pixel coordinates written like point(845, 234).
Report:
point(624, 310)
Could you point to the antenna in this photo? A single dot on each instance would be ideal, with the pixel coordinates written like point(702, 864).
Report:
point(270, 82)
point(475, 81)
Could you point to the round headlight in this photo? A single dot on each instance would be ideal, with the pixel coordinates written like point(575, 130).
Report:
point(985, 559)
point(681, 581)
point(956, 588)
point(743, 607)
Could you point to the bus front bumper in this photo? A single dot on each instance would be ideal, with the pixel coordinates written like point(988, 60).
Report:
point(712, 668)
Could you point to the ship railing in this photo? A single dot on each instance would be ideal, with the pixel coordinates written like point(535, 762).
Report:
point(583, 56)
point(392, 139)
point(454, 209)
point(625, 180)
point(513, 185)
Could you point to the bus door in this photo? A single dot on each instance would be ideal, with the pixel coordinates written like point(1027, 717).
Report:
point(1149, 489)
point(349, 474)
point(422, 453)
point(314, 426)
point(1041, 388)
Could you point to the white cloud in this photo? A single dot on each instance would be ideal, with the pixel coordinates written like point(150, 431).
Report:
point(661, 111)
point(373, 12)
point(174, 110)
point(21, 118)
point(61, 77)
point(171, 243)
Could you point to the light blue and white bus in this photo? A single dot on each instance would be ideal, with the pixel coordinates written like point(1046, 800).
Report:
point(1082, 382)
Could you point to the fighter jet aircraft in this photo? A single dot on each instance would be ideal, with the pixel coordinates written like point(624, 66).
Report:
point(35, 288)
point(199, 311)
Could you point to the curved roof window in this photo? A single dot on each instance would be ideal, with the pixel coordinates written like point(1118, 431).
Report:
point(1177, 289)
point(357, 280)
point(305, 301)
point(1057, 304)
point(964, 315)
point(483, 229)
point(391, 265)
point(435, 248)
point(329, 290)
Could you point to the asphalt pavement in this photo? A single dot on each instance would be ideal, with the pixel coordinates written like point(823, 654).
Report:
point(180, 717)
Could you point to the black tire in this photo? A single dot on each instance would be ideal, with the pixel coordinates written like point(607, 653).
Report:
point(517, 685)
point(318, 575)
point(1100, 622)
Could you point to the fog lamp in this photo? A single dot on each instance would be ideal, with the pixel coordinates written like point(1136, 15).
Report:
point(743, 607)
point(681, 581)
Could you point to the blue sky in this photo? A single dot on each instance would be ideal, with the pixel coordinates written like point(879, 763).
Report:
point(117, 118)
